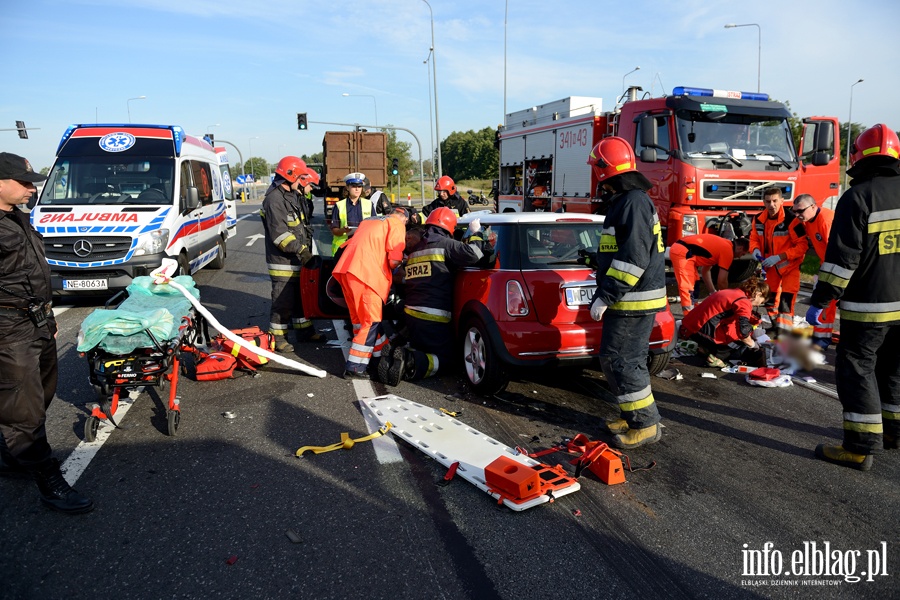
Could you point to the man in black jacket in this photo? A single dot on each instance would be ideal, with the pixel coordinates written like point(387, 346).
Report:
point(448, 197)
point(28, 361)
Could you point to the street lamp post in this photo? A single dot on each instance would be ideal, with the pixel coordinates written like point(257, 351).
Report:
point(250, 160)
point(849, 135)
point(367, 96)
point(430, 119)
point(128, 105)
point(208, 127)
point(437, 127)
point(626, 75)
point(758, 49)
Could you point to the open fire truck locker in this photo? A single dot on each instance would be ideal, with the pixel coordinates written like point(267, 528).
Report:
point(352, 152)
point(707, 153)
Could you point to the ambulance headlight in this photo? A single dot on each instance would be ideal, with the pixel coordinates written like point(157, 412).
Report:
point(152, 243)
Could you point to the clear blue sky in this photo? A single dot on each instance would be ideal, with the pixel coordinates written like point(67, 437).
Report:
point(251, 66)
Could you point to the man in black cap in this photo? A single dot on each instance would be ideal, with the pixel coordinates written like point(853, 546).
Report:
point(28, 361)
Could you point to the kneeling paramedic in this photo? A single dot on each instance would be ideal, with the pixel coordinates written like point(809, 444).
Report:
point(428, 295)
point(631, 289)
point(289, 241)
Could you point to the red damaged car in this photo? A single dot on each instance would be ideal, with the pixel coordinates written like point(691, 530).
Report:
point(528, 307)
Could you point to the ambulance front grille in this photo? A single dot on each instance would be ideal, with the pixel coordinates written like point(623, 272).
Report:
point(86, 249)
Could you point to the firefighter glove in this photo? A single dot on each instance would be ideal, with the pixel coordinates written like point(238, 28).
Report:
point(597, 309)
point(771, 261)
point(587, 258)
point(304, 255)
point(812, 315)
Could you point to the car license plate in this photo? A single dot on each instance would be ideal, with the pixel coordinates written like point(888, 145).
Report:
point(580, 296)
point(85, 284)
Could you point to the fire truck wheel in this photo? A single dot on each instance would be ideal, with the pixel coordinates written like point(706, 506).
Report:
point(174, 418)
point(91, 425)
point(484, 371)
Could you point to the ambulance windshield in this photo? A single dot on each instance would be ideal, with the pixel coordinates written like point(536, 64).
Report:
point(89, 180)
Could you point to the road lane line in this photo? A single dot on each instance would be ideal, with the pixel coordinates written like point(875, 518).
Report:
point(85, 452)
point(386, 450)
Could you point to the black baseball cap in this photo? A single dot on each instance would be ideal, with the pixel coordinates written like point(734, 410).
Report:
point(13, 166)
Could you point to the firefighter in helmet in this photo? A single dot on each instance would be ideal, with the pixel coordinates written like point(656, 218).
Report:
point(447, 197)
point(289, 245)
point(428, 296)
point(860, 269)
point(631, 289)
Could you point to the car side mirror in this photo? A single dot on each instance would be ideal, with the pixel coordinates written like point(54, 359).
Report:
point(820, 159)
point(191, 201)
point(648, 155)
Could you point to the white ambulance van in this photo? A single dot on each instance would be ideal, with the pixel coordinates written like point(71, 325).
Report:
point(120, 198)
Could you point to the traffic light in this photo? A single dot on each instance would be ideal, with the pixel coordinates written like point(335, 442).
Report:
point(395, 167)
point(23, 133)
point(301, 121)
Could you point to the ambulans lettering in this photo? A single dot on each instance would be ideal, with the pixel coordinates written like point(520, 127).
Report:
point(418, 270)
point(889, 242)
point(88, 217)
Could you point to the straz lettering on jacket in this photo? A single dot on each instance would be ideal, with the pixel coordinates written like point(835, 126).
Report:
point(888, 230)
point(99, 217)
point(418, 270)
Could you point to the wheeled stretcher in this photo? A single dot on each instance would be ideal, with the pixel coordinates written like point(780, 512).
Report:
point(139, 343)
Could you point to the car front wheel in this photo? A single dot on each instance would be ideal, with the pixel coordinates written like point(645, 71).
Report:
point(483, 369)
point(657, 362)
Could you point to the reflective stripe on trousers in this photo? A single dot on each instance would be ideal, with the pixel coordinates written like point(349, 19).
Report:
point(624, 347)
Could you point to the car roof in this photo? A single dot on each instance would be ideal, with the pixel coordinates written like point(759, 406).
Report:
point(491, 218)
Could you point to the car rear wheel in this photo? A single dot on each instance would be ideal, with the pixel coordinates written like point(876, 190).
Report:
point(483, 369)
point(657, 362)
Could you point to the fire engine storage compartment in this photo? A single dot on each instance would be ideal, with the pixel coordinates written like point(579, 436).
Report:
point(541, 142)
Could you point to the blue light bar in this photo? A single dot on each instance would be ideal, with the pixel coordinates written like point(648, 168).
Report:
point(692, 91)
point(177, 132)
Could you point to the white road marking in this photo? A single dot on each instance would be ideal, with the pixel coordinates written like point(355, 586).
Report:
point(386, 450)
point(84, 452)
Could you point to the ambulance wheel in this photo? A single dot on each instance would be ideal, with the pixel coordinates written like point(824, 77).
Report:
point(91, 425)
point(219, 261)
point(482, 365)
point(657, 362)
point(184, 265)
point(174, 418)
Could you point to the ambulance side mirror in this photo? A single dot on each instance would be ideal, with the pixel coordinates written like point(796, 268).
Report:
point(191, 201)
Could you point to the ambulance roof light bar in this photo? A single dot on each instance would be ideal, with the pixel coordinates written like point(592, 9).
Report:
point(692, 91)
point(177, 132)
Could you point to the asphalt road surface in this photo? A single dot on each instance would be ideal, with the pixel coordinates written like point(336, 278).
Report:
point(734, 506)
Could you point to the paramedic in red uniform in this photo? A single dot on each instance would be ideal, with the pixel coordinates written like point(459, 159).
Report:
point(428, 296)
point(28, 360)
point(703, 252)
point(631, 289)
point(364, 272)
point(817, 223)
point(723, 324)
point(862, 270)
point(289, 241)
point(778, 241)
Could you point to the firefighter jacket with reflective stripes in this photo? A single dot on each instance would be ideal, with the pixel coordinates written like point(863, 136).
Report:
point(631, 277)
point(287, 229)
point(454, 203)
point(862, 259)
point(428, 274)
point(782, 234)
point(724, 317)
point(24, 272)
point(818, 230)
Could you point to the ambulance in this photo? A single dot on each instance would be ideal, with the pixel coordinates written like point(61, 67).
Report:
point(121, 197)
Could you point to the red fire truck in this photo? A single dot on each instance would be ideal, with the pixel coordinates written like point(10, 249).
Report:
point(707, 152)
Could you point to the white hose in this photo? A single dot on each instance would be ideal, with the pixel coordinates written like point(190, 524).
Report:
point(164, 275)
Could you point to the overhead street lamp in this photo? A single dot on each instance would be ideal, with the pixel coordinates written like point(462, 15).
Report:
point(849, 134)
point(626, 75)
point(437, 127)
point(367, 96)
point(208, 127)
point(250, 160)
point(128, 105)
point(758, 50)
point(430, 120)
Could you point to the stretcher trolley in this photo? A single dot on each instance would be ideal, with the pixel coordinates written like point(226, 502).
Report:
point(138, 343)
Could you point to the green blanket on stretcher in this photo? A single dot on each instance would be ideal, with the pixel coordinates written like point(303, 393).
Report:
point(149, 307)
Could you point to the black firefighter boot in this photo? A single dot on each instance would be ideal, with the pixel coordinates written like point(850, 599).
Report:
point(57, 494)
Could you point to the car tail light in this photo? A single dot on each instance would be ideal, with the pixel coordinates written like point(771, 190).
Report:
point(516, 305)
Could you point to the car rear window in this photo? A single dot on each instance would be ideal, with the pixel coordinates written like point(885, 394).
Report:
point(556, 245)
